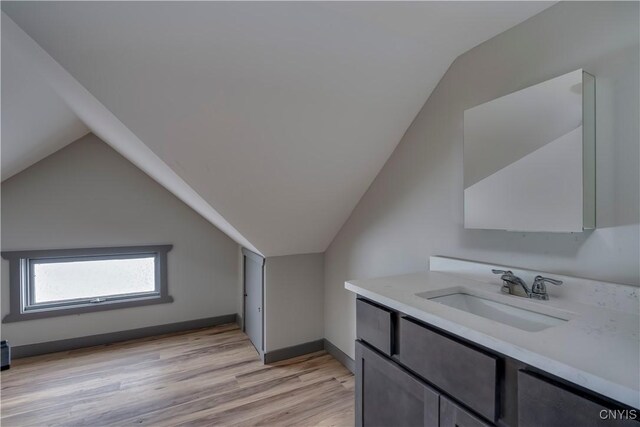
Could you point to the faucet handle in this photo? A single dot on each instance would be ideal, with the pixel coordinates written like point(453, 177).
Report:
point(494, 271)
point(507, 277)
point(539, 290)
point(542, 279)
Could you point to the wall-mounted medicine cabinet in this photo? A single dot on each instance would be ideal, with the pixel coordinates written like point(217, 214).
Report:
point(529, 158)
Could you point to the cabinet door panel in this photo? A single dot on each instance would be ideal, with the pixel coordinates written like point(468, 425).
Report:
point(387, 396)
point(452, 415)
point(457, 369)
point(542, 402)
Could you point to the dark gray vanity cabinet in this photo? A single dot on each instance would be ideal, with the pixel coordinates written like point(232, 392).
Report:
point(412, 374)
point(386, 395)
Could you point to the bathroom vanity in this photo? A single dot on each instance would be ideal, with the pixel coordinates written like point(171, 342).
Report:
point(448, 348)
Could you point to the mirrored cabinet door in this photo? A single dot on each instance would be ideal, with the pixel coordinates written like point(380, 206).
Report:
point(529, 158)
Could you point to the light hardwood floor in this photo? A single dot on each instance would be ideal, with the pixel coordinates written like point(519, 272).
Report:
point(206, 377)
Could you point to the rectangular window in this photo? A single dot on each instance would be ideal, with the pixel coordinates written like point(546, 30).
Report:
point(90, 279)
point(71, 281)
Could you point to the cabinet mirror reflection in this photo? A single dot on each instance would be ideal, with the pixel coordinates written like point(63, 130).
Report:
point(529, 158)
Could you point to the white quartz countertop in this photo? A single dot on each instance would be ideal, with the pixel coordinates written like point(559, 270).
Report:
point(598, 348)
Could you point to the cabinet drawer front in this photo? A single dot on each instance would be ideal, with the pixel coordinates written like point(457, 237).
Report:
point(452, 415)
point(386, 395)
point(374, 326)
point(468, 374)
point(543, 403)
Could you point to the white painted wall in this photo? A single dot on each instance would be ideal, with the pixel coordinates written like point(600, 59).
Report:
point(87, 195)
point(413, 209)
point(294, 300)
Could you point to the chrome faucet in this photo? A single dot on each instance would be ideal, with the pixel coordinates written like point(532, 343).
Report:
point(513, 285)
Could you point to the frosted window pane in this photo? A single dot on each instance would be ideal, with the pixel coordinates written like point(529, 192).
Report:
point(91, 279)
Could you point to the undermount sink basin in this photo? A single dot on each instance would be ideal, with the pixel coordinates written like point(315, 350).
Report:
point(520, 318)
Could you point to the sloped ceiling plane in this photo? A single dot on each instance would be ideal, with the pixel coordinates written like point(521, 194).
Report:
point(269, 119)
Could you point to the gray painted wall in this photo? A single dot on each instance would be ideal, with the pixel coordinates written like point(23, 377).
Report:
point(294, 300)
point(413, 209)
point(88, 195)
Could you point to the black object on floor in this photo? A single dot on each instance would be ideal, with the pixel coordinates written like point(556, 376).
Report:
point(5, 358)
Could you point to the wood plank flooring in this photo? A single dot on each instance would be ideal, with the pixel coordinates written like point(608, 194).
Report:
point(206, 377)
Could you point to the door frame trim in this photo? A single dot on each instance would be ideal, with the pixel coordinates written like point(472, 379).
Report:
point(260, 260)
point(254, 256)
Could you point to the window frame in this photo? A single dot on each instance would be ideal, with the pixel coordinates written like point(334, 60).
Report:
point(23, 307)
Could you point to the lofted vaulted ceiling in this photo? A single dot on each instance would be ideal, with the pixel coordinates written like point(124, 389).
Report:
point(36, 122)
point(278, 114)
